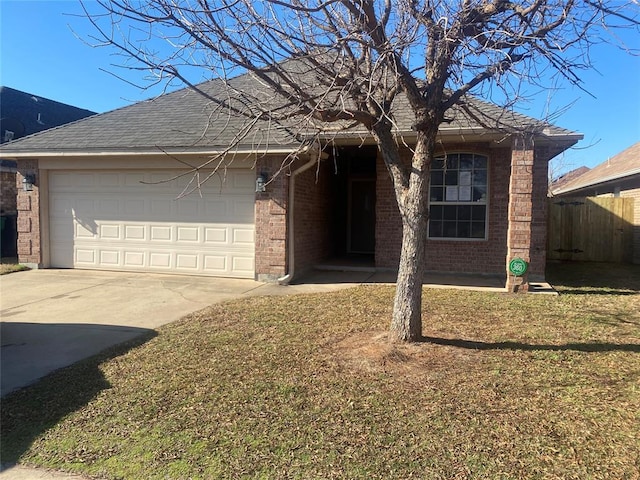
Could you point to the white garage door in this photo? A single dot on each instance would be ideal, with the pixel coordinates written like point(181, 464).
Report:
point(123, 220)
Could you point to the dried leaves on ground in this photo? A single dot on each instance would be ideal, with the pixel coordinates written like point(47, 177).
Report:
point(504, 386)
point(6, 268)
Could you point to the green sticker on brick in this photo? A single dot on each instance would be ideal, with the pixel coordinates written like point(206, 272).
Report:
point(518, 267)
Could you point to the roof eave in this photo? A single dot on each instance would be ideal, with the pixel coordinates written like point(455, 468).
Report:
point(600, 182)
point(566, 140)
point(152, 151)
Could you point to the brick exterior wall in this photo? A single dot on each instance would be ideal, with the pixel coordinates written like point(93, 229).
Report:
point(313, 236)
point(388, 222)
point(271, 223)
point(479, 256)
point(28, 205)
point(470, 256)
point(635, 193)
point(539, 223)
point(527, 233)
point(514, 229)
point(8, 191)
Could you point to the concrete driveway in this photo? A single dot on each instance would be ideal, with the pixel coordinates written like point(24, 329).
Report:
point(53, 318)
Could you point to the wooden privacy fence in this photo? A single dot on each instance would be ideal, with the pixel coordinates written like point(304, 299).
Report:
point(590, 229)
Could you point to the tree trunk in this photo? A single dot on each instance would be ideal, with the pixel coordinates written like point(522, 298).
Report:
point(406, 323)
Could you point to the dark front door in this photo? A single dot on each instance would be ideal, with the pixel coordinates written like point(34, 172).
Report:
point(362, 216)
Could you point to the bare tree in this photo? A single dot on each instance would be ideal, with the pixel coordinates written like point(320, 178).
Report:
point(336, 64)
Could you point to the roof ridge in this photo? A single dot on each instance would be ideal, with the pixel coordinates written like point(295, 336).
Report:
point(182, 118)
point(622, 164)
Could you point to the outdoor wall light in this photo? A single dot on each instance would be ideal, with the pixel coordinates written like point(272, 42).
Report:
point(261, 182)
point(27, 182)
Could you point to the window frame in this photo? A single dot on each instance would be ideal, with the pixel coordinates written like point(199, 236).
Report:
point(485, 203)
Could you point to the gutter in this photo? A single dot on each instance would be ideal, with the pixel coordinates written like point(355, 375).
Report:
point(454, 132)
point(17, 154)
point(290, 222)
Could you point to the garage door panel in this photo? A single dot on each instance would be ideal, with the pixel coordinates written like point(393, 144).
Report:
point(228, 263)
point(160, 260)
point(215, 263)
point(216, 235)
point(135, 260)
point(242, 264)
point(60, 182)
point(86, 257)
point(135, 180)
point(59, 206)
point(221, 208)
point(110, 231)
point(243, 236)
point(188, 262)
point(85, 231)
point(244, 180)
point(64, 257)
point(161, 234)
point(107, 205)
point(243, 211)
point(135, 233)
point(110, 258)
point(109, 180)
point(134, 208)
point(189, 234)
point(119, 224)
point(187, 206)
point(162, 181)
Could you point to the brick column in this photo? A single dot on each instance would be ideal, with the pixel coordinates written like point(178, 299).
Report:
point(28, 203)
point(538, 249)
point(271, 223)
point(520, 211)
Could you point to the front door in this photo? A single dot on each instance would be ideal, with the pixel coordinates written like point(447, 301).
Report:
point(362, 216)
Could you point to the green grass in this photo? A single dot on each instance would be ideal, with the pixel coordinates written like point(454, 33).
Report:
point(505, 387)
point(7, 268)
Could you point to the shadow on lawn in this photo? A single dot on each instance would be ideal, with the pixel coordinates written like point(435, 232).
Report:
point(594, 278)
point(28, 413)
point(599, 291)
point(577, 347)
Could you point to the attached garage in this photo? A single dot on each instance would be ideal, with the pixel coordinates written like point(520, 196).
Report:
point(133, 220)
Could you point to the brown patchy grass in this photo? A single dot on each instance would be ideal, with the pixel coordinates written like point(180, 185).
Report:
point(6, 268)
point(503, 387)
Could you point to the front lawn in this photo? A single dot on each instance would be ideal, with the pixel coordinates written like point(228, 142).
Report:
point(505, 387)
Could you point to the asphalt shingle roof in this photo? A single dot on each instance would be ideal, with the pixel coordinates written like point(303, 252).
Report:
point(188, 121)
point(24, 113)
point(624, 164)
point(181, 119)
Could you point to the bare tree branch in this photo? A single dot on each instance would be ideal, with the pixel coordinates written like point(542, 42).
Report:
point(313, 68)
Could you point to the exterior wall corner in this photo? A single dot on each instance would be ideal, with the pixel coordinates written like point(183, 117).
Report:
point(29, 216)
point(271, 223)
point(527, 212)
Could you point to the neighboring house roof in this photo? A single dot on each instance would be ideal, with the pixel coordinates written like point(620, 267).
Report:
point(622, 167)
point(186, 121)
point(565, 178)
point(23, 114)
point(7, 166)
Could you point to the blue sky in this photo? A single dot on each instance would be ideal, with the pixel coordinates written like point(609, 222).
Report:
point(40, 54)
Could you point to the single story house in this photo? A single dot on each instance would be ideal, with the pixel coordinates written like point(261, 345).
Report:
point(106, 192)
point(618, 176)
